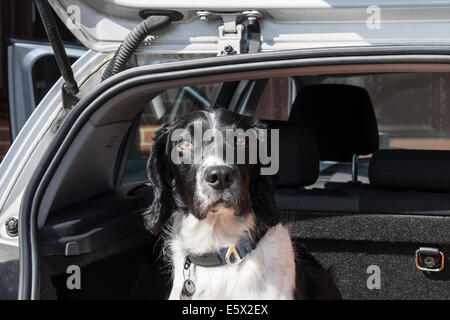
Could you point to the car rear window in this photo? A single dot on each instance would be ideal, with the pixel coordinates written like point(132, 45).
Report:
point(412, 109)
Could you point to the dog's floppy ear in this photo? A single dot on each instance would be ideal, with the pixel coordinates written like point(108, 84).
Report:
point(262, 189)
point(160, 175)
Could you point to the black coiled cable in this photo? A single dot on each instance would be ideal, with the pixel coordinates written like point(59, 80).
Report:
point(132, 42)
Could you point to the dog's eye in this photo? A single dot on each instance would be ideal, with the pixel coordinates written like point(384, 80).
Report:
point(241, 141)
point(186, 145)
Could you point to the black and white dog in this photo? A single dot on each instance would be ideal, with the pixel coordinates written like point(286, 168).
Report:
point(222, 231)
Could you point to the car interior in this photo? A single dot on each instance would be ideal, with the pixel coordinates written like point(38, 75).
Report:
point(364, 164)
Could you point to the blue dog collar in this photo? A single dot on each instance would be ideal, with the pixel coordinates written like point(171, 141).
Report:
point(224, 256)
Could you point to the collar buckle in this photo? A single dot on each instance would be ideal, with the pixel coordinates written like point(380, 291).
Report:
point(232, 256)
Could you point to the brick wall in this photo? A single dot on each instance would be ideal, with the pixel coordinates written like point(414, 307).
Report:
point(5, 140)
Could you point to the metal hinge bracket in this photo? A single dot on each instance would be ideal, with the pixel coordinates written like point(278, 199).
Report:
point(239, 33)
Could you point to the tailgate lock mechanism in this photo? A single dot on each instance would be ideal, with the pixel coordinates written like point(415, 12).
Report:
point(429, 259)
point(239, 33)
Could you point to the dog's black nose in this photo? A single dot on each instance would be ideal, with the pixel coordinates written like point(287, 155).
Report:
point(220, 177)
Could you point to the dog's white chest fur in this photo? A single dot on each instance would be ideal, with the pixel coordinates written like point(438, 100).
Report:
point(267, 272)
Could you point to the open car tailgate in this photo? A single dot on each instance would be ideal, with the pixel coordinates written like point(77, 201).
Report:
point(103, 24)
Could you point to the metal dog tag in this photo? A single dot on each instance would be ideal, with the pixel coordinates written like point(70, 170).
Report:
point(188, 290)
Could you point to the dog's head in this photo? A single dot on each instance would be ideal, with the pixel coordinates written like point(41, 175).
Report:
point(204, 164)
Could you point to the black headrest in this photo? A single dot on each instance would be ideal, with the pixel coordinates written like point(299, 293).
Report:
point(342, 118)
point(298, 155)
point(410, 170)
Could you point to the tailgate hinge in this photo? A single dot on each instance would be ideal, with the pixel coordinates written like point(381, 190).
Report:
point(239, 33)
